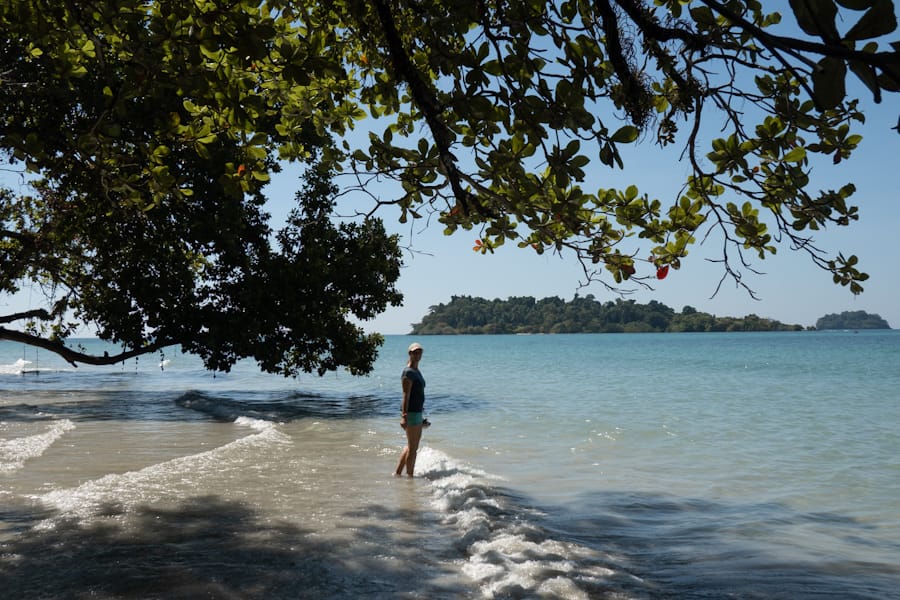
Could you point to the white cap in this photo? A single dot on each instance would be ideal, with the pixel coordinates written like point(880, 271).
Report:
point(414, 346)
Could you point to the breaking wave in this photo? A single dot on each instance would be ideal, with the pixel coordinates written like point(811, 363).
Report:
point(122, 492)
point(14, 452)
point(507, 551)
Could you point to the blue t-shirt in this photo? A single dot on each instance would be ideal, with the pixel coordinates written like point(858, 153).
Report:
point(416, 401)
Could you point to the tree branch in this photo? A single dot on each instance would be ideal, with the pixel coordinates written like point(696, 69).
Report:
point(38, 313)
point(654, 30)
point(15, 235)
point(72, 356)
point(634, 92)
point(425, 100)
point(794, 45)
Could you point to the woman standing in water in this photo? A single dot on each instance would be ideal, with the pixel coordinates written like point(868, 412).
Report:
point(411, 415)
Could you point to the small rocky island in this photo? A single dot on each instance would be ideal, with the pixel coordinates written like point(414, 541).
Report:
point(857, 319)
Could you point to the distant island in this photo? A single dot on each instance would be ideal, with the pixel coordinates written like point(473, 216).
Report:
point(525, 314)
point(471, 315)
point(857, 319)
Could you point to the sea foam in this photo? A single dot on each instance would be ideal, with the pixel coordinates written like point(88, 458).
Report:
point(14, 452)
point(507, 552)
point(125, 491)
point(16, 368)
point(22, 367)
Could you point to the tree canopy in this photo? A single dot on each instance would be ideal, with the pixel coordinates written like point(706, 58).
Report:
point(145, 133)
point(583, 314)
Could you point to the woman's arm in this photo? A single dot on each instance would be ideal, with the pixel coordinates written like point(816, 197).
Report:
point(404, 404)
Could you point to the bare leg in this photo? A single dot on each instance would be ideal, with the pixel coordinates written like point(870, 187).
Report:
point(413, 437)
point(402, 463)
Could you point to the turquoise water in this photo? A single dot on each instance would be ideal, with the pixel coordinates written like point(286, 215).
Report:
point(738, 465)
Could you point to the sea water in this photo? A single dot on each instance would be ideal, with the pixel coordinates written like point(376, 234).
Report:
point(722, 465)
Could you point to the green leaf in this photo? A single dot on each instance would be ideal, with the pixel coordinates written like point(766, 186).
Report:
point(890, 81)
point(625, 135)
point(877, 21)
point(795, 155)
point(703, 16)
point(606, 155)
point(828, 82)
point(816, 17)
point(867, 75)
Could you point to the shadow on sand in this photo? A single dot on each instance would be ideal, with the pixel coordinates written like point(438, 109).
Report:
point(653, 547)
point(206, 548)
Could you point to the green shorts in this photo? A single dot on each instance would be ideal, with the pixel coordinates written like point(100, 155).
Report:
point(414, 418)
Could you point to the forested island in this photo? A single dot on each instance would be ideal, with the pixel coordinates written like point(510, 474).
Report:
point(856, 319)
point(472, 315)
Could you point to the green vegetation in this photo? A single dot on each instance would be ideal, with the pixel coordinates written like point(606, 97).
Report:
point(141, 136)
point(852, 320)
point(468, 315)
